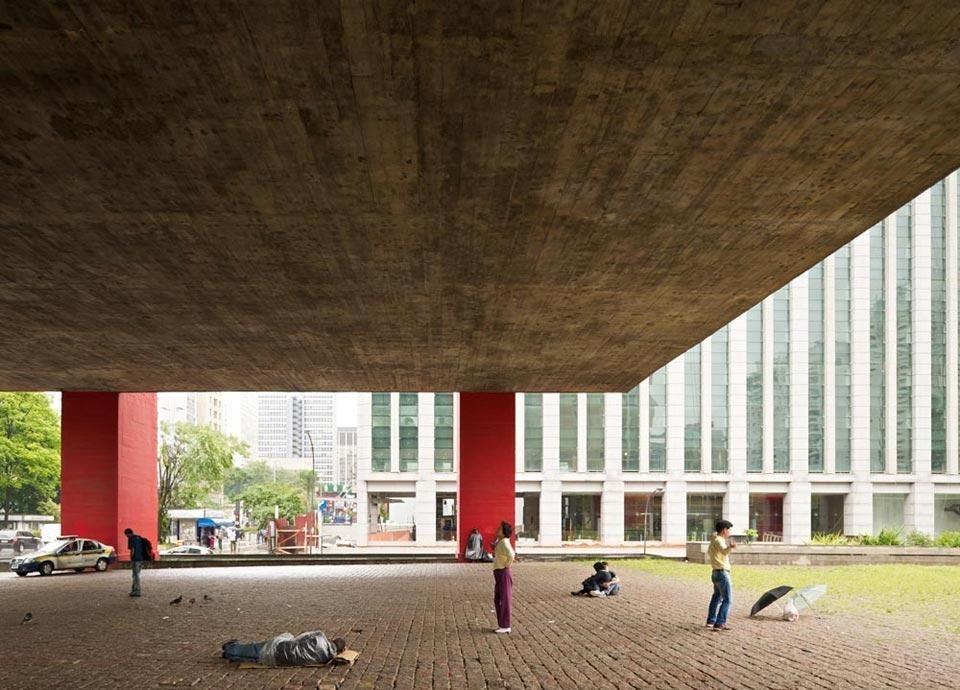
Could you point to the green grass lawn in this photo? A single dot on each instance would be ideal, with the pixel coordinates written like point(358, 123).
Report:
point(925, 595)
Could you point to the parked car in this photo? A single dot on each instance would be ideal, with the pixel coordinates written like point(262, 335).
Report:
point(67, 553)
point(187, 550)
point(18, 540)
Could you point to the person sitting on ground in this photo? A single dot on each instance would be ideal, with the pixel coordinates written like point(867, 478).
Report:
point(474, 551)
point(309, 648)
point(603, 582)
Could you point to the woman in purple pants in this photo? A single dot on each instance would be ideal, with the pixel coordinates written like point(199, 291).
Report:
point(503, 556)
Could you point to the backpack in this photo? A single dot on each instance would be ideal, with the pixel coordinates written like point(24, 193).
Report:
point(147, 549)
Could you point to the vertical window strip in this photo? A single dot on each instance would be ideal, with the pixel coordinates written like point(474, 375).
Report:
point(409, 432)
point(938, 330)
point(380, 432)
point(815, 390)
point(533, 432)
point(877, 351)
point(443, 432)
point(595, 435)
point(630, 430)
point(568, 432)
point(691, 410)
point(658, 421)
point(755, 389)
point(842, 385)
point(904, 340)
point(719, 419)
point(781, 380)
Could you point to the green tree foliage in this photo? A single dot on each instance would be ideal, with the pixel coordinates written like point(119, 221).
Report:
point(194, 460)
point(29, 452)
point(258, 473)
point(260, 500)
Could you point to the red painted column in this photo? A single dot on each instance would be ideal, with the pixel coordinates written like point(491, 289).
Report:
point(486, 479)
point(108, 470)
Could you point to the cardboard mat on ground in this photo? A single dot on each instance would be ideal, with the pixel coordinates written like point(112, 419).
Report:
point(345, 658)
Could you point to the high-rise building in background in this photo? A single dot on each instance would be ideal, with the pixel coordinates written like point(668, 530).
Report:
point(830, 407)
point(346, 454)
point(287, 422)
point(208, 410)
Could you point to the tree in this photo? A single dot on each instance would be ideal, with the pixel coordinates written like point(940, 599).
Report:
point(29, 452)
point(257, 473)
point(259, 501)
point(193, 463)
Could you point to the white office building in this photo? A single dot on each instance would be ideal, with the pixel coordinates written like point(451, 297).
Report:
point(297, 427)
point(831, 407)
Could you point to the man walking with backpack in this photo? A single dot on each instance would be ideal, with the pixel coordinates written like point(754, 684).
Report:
point(140, 550)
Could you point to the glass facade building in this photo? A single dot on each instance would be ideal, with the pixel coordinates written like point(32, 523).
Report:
point(831, 406)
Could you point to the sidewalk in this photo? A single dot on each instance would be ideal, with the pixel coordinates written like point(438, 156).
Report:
point(429, 625)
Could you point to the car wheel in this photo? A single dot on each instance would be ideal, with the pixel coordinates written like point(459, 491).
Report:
point(21, 574)
point(46, 568)
point(101, 564)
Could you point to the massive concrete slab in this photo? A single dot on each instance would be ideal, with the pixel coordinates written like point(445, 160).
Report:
point(437, 195)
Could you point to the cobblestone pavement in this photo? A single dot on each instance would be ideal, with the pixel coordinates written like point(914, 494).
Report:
point(427, 625)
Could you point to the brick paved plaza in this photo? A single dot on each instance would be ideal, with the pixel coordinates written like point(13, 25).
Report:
point(427, 625)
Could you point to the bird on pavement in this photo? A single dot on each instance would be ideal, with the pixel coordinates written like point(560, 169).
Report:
point(27, 617)
point(177, 600)
point(192, 601)
point(207, 597)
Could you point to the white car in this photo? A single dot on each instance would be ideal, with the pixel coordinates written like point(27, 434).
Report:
point(187, 551)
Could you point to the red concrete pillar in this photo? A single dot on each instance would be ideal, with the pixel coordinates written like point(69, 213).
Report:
point(486, 480)
point(108, 469)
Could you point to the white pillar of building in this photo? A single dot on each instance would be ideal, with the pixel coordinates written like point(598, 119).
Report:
point(674, 518)
point(425, 512)
point(829, 365)
point(613, 435)
point(919, 504)
point(364, 464)
point(890, 341)
point(858, 506)
point(551, 436)
point(551, 488)
point(611, 513)
point(551, 513)
point(766, 369)
point(611, 500)
point(796, 504)
point(736, 500)
point(952, 232)
point(581, 463)
point(519, 420)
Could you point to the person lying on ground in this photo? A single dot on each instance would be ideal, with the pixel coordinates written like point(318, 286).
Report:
point(286, 650)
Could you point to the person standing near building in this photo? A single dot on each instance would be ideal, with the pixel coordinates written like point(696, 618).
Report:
point(138, 554)
point(719, 553)
point(503, 556)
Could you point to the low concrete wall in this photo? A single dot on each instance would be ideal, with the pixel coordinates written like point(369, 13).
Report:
point(786, 554)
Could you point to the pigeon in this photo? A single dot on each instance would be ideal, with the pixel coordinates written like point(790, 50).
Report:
point(27, 617)
point(177, 600)
point(207, 597)
point(192, 601)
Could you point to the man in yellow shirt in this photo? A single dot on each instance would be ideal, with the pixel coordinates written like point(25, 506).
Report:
point(719, 553)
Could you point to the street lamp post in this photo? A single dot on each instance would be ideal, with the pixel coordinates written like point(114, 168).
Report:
point(646, 516)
